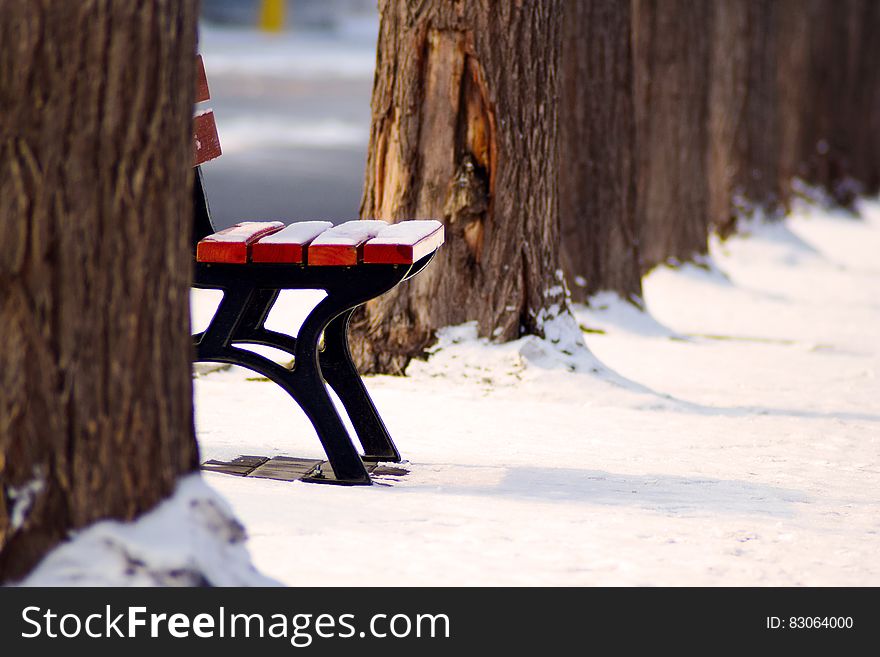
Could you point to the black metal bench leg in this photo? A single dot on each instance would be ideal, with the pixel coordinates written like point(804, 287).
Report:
point(314, 398)
point(240, 313)
point(225, 322)
point(257, 310)
point(340, 372)
point(307, 389)
point(249, 295)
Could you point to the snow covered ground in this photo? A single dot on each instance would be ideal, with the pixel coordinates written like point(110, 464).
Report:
point(191, 539)
point(729, 437)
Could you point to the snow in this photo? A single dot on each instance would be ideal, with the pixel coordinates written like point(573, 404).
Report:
point(245, 231)
point(23, 498)
point(190, 539)
point(351, 233)
point(300, 232)
point(406, 232)
point(729, 436)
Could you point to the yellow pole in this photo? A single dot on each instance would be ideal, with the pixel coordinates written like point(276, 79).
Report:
point(272, 15)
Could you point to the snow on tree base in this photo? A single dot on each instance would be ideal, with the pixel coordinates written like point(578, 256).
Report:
point(191, 539)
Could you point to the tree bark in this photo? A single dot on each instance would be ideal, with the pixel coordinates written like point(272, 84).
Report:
point(864, 58)
point(744, 119)
point(866, 161)
point(597, 176)
point(464, 115)
point(840, 137)
point(95, 213)
point(793, 68)
point(671, 53)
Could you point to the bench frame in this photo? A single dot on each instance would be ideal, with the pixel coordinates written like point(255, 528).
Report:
point(320, 351)
point(249, 292)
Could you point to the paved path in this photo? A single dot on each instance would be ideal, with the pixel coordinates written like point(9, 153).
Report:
point(294, 139)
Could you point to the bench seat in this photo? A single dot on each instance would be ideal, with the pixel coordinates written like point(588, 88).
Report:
point(233, 244)
point(404, 243)
point(288, 245)
point(319, 243)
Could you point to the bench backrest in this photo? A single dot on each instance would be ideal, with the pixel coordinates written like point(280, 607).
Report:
point(206, 146)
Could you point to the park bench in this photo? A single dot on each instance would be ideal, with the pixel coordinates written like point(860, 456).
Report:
point(353, 262)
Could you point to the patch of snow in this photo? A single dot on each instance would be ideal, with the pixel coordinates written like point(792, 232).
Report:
point(607, 312)
point(409, 231)
point(23, 498)
point(351, 233)
point(745, 454)
point(191, 539)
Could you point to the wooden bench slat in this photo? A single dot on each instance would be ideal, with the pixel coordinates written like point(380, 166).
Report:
point(404, 243)
point(206, 142)
point(202, 91)
point(343, 244)
point(231, 245)
point(290, 244)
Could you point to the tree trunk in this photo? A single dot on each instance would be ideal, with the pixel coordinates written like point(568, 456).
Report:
point(597, 177)
point(744, 125)
point(864, 131)
point(793, 65)
point(95, 383)
point(464, 118)
point(840, 137)
point(823, 150)
point(671, 54)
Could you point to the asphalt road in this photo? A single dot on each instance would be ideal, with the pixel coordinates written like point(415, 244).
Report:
point(287, 185)
point(294, 149)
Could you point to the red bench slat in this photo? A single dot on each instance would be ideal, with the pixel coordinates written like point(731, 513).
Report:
point(343, 244)
point(404, 243)
point(231, 245)
point(288, 245)
point(206, 142)
point(202, 91)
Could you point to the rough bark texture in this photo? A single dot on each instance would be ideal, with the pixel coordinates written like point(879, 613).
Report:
point(866, 160)
point(597, 177)
point(744, 119)
point(793, 47)
point(95, 218)
point(841, 125)
point(671, 49)
point(464, 116)
point(864, 93)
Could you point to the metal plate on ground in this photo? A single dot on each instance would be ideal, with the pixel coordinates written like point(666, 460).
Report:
point(289, 468)
point(241, 466)
point(285, 468)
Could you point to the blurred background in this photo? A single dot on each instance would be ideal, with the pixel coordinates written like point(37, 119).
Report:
point(290, 87)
